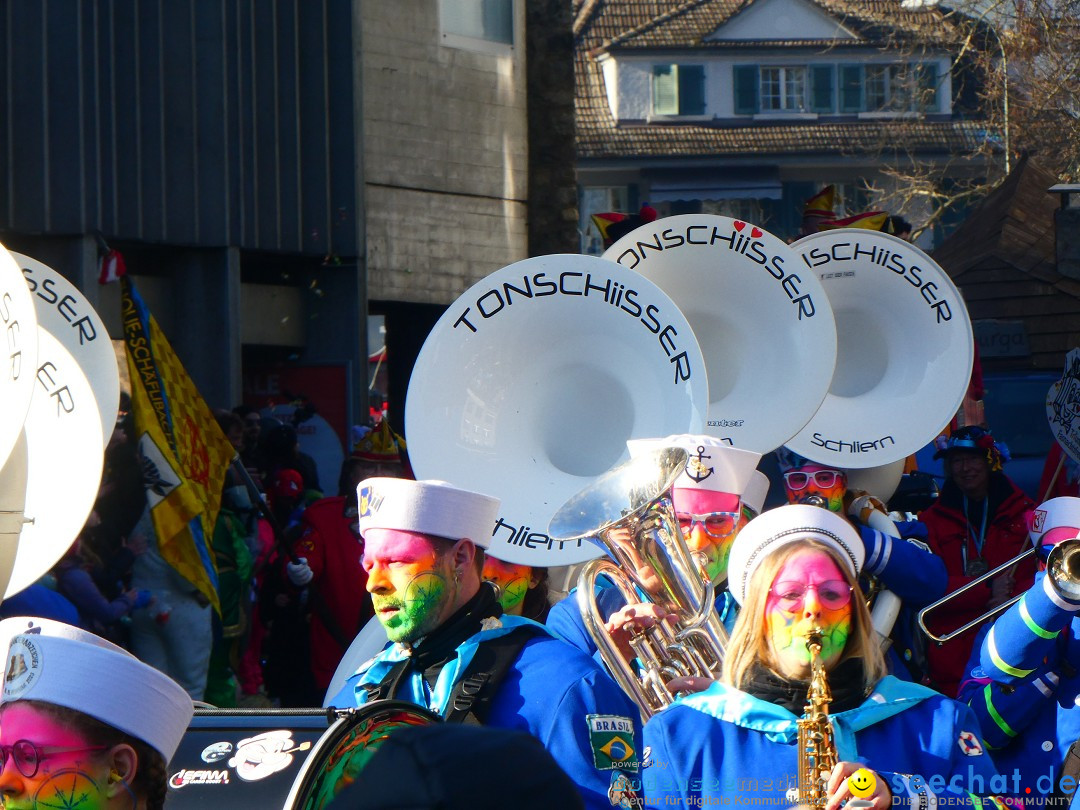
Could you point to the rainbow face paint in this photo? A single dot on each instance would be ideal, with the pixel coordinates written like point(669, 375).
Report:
point(786, 629)
point(511, 580)
point(816, 487)
point(712, 552)
point(411, 587)
point(66, 779)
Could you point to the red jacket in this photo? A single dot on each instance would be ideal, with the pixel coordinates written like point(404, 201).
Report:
point(1006, 536)
point(333, 551)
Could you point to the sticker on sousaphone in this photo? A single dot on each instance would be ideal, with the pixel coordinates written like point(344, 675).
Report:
point(18, 324)
point(904, 349)
point(530, 384)
point(763, 321)
point(1063, 406)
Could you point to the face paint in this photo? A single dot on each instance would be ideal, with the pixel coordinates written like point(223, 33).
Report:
point(786, 629)
point(711, 552)
point(75, 778)
point(833, 495)
point(511, 580)
point(412, 588)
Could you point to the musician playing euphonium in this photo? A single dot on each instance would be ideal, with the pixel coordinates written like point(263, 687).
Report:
point(1023, 679)
point(904, 565)
point(708, 504)
point(794, 570)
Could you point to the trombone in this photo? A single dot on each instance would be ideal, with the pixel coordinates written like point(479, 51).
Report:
point(1063, 568)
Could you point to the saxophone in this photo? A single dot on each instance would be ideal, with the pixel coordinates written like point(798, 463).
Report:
point(817, 748)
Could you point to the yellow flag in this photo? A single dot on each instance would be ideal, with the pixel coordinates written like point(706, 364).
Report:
point(185, 454)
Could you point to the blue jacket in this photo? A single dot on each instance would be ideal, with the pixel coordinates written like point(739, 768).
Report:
point(724, 742)
point(1023, 683)
point(552, 691)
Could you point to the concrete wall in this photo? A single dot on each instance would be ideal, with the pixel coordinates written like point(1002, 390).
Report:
point(445, 155)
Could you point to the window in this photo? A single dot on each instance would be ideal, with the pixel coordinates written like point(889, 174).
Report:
point(678, 90)
point(783, 89)
point(479, 21)
point(889, 88)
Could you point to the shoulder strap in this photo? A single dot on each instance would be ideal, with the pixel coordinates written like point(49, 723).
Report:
point(471, 698)
point(388, 686)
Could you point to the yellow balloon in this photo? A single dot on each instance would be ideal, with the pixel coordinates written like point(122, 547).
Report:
point(862, 783)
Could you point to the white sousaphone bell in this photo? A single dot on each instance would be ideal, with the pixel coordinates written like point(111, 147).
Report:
point(904, 349)
point(530, 384)
point(49, 482)
point(762, 318)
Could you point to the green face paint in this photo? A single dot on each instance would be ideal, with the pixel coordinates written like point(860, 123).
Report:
point(415, 610)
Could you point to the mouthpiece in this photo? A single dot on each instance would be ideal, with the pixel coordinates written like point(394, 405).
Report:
point(815, 500)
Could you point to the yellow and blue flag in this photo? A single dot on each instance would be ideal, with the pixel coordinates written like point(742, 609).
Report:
point(185, 454)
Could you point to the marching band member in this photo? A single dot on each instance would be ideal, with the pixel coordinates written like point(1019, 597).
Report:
point(84, 723)
point(905, 565)
point(795, 569)
point(522, 589)
point(1022, 680)
point(458, 654)
point(708, 505)
point(977, 524)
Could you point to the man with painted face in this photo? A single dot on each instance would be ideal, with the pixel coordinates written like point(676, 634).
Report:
point(1023, 678)
point(457, 653)
point(905, 566)
point(794, 569)
point(708, 505)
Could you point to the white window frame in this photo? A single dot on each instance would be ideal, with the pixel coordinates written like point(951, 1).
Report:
point(785, 75)
point(453, 38)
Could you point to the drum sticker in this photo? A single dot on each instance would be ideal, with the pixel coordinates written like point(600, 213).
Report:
point(186, 776)
point(215, 752)
point(1038, 520)
point(265, 754)
point(23, 668)
point(612, 740)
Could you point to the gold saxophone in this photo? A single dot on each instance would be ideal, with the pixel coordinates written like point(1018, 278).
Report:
point(817, 748)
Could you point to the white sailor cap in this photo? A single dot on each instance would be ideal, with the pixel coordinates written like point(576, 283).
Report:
point(712, 465)
point(427, 507)
point(55, 663)
point(1056, 513)
point(777, 528)
point(756, 490)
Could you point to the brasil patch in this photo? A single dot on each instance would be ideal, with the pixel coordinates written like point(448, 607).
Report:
point(612, 740)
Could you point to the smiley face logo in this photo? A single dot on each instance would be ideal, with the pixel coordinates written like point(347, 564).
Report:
point(862, 783)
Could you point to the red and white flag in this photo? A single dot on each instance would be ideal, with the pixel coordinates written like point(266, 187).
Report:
point(112, 267)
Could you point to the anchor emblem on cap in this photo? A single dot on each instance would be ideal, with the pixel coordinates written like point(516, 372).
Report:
point(695, 465)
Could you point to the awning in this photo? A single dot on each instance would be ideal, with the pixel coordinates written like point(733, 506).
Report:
point(713, 184)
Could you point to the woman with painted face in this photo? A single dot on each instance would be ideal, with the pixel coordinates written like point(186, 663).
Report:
point(794, 571)
point(977, 524)
point(83, 723)
point(522, 589)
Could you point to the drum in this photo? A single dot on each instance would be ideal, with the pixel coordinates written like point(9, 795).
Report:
point(242, 758)
point(346, 747)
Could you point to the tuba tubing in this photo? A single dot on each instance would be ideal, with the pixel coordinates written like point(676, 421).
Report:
point(629, 512)
point(887, 604)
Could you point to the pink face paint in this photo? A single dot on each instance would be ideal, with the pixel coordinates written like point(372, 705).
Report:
point(71, 778)
point(786, 630)
point(411, 587)
point(511, 580)
point(712, 552)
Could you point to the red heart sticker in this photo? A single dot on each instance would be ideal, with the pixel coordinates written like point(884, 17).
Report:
point(756, 232)
point(739, 225)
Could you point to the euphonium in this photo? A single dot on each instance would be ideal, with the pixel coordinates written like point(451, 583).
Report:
point(817, 748)
point(629, 512)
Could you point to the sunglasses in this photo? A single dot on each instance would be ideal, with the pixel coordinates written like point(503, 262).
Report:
point(833, 594)
point(715, 524)
point(797, 480)
point(28, 755)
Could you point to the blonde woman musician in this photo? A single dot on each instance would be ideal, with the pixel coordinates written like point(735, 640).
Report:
point(794, 569)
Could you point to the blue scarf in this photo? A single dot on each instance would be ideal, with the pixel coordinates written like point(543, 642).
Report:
point(891, 696)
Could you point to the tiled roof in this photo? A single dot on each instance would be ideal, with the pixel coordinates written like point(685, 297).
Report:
point(600, 137)
point(685, 23)
point(1013, 224)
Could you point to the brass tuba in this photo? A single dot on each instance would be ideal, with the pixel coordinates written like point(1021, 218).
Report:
point(817, 747)
point(629, 512)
